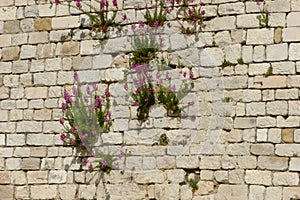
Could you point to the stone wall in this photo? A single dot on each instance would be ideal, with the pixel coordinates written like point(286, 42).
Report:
point(243, 144)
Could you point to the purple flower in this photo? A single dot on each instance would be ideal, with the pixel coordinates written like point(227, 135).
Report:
point(115, 3)
point(94, 133)
point(57, 2)
point(121, 155)
point(86, 99)
point(103, 164)
point(141, 24)
point(123, 145)
point(158, 75)
point(67, 97)
point(106, 119)
point(136, 103)
point(184, 74)
point(195, 19)
point(191, 103)
point(167, 76)
point(78, 3)
point(258, 3)
point(133, 27)
point(202, 4)
point(126, 86)
point(88, 90)
point(61, 121)
point(63, 137)
point(138, 90)
point(75, 130)
point(103, 3)
point(109, 114)
point(90, 167)
point(85, 161)
point(64, 106)
point(146, 99)
point(124, 17)
point(203, 12)
point(72, 141)
point(74, 91)
point(167, 10)
point(95, 87)
point(93, 154)
point(156, 24)
point(191, 75)
point(107, 94)
point(190, 12)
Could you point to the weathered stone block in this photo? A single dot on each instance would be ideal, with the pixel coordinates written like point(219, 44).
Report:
point(260, 36)
point(43, 191)
point(272, 163)
point(286, 178)
point(258, 177)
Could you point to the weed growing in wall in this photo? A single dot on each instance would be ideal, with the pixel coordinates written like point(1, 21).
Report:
point(264, 15)
point(85, 118)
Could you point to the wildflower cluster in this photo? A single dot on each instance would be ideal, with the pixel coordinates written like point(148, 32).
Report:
point(85, 117)
point(101, 19)
point(264, 15)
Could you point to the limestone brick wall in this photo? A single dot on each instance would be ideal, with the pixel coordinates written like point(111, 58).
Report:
point(243, 144)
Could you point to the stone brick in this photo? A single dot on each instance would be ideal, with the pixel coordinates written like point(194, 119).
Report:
point(286, 178)
point(247, 54)
point(292, 19)
point(260, 36)
point(46, 10)
point(42, 24)
point(30, 163)
point(86, 191)
point(247, 21)
point(70, 48)
point(10, 53)
point(4, 177)
point(273, 193)
point(38, 37)
point(293, 81)
point(254, 109)
point(277, 20)
point(111, 75)
point(67, 191)
point(251, 95)
point(188, 162)
point(89, 76)
point(238, 149)
point(176, 175)
point(231, 8)
point(211, 57)
point(102, 61)
point(22, 192)
point(20, 67)
point(264, 122)
point(287, 94)
point(294, 51)
point(59, 176)
point(43, 114)
point(290, 192)
point(258, 177)
point(233, 53)
point(6, 191)
point(272, 163)
point(12, 27)
point(287, 149)
point(278, 35)
point(291, 121)
point(291, 34)
point(29, 127)
point(15, 140)
point(262, 149)
point(47, 78)
point(232, 192)
point(43, 191)
point(28, 51)
point(274, 135)
point(256, 192)
point(40, 139)
point(65, 22)
point(37, 177)
point(36, 92)
point(277, 52)
point(235, 82)
point(284, 68)
point(287, 135)
point(53, 64)
point(46, 50)
point(150, 177)
point(31, 11)
point(294, 164)
point(244, 122)
point(13, 163)
point(8, 13)
point(220, 23)
point(7, 127)
point(236, 176)
point(277, 108)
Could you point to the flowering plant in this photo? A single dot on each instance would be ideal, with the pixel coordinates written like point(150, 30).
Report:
point(158, 16)
point(85, 118)
point(264, 15)
point(101, 19)
point(193, 14)
point(144, 44)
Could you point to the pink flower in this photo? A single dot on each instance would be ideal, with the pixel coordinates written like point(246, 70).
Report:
point(167, 76)
point(61, 121)
point(74, 91)
point(136, 103)
point(184, 74)
point(75, 130)
point(191, 1)
point(141, 24)
point(106, 119)
point(190, 12)
point(133, 27)
point(123, 145)
point(95, 87)
point(94, 133)
point(64, 106)
point(203, 12)
point(86, 100)
point(156, 24)
point(115, 3)
point(57, 2)
point(63, 137)
point(72, 141)
point(258, 3)
point(146, 99)
point(167, 10)
point(124, 17)
point(88, 90)
point(103, 164)
point(107, 94)
point(191, 75)
point(90, 167)
point(138, 90)
point(191, 103)
point(121, 155)
point(109, 114)
point(193, 117)
point(126, 86)
point(85, 161)
point(202, 4)
point(78, 3)
point(67, 97)
point(195, 19)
